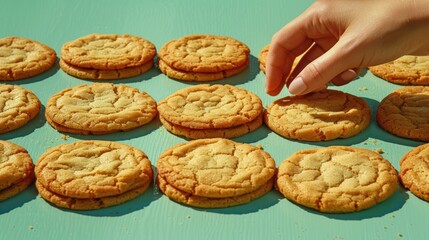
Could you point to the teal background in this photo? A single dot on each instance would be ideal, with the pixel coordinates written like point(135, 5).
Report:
point(152, 215)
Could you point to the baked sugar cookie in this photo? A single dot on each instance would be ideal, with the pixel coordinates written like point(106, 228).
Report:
point(318, 116)
point(405, 113)
point(16, 169)
point(414, 171)
point(97, 171)
point(100, 108)
point(336, 179)
point(24, 58)
point(215, 168)
point(262, 58)
point(211, 110)
point(17, 107)
point(203, 57)
point(406, 70)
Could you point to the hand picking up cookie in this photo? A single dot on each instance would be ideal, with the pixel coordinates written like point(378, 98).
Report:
point(107, 56)
point(22, 58)
point(318, 116)
point(100, 108)
point(88, 175)
point(209, 111)
point(405, 113)
point(406, 70)
point(215, 173)
point(203, 57)
point(336, 179)
point(16, 169)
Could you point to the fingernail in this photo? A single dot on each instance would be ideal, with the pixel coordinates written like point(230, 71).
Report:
point(348, 75)
point(297, 86)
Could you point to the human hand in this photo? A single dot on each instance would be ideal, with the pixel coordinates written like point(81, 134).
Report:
point(341, 36)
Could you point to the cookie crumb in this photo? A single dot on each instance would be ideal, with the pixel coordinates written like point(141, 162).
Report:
point(259, 146)
point(64, 137)
point(379, 150)
point(30, 227)
point(400, 235)
point(188, 216)
point(362, 89)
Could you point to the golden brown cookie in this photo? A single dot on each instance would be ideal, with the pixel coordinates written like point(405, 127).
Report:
point(336, 179)
point(16, 169)
point(93, 169)
point(204, 53)
point(89, 203)
point(405, 113)
point(23, 58)
point(108, 51)
point(318, 116)
point(210, 106)
point(205, 202)
point(17, 107)
point(406, 70)
point(414, 171)
point(262, 58)
point(101, 107)
point(230, 132)
point(97, 74)
point(214, 168)
point(198, 76)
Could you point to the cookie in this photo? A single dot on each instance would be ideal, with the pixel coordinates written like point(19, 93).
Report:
point(262, 58)
point(205, 202)
point(405, 113)
point(101, 107)
point(89, 203)
point(97, 74)
point(336, 179)
point(198, 76)
point(108, 51)
point(207, 106)
point(318, 116)
point(414, 171)
point(93, 169)
point(24, 58)
point(215, 168)
point(230, 132)
point(17, 107)
point(16, 169)
point(406, 70)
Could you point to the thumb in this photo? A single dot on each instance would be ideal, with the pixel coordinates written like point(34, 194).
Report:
point(318, 73)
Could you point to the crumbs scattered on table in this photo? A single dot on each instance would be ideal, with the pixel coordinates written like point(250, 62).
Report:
point(64, 137)
point(30, 227)
point(362, 89)
point(379, 150)
point(400, 235)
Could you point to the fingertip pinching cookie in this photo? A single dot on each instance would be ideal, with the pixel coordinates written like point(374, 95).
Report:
point(17, 107)
point(207, 111)
point(414, 171)
point(406, 70)
point(99, 108)
point(107, 56)
point(318, 116)
point(203, 57)
point(16, 169)
point(22, 58)
point(405, 113)
point(215, 173)
point(336, 179)
point(90, 174)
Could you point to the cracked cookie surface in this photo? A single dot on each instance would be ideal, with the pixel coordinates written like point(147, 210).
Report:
point(406, 70)
point(414, 171)
point(204, 53)
point(210, 106)
point(16, 165)
point(336, 179)
point(215, 168)
point(93, 169)
point(17, 107)
point(101, 107)
point(405, 113)
point(108, 51)
point(23, 58)
point(318, 116)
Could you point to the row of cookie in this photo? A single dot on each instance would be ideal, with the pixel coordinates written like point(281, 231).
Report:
point(210, 173)
point(208, 111)
point(200, 57)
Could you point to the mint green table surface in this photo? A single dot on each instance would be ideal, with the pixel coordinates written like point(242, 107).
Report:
point(152, 215)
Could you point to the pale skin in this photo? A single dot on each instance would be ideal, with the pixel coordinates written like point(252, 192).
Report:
point(340, 37)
